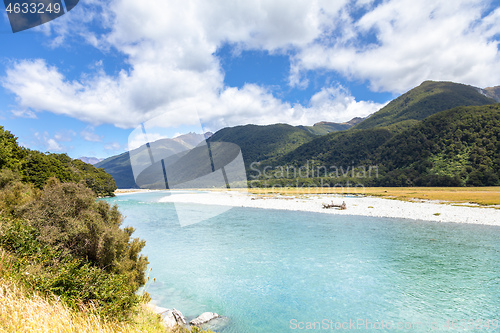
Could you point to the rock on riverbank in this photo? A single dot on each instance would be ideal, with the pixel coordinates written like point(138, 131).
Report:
point(172, 318)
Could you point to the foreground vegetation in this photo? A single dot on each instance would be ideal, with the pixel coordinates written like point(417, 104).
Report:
point(36, 168)
point(22, 311)
point(66, 263)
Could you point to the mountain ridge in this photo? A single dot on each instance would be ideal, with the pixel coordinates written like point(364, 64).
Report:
point(283, 144)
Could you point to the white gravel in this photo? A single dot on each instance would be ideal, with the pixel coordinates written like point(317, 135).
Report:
point(365, 206)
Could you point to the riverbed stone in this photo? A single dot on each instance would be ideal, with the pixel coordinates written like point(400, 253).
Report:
point(204, 318)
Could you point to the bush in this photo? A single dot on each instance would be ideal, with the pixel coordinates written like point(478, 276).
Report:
point(41, 268)
point(71, 220)
point(13, 193)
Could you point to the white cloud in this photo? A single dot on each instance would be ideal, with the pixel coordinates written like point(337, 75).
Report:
point(25, 113)
point(65, 135)
point(47, 143)
point(89, 135)
point(114, 146)
point(337, 103)
point(171, 54)
point(413, 41)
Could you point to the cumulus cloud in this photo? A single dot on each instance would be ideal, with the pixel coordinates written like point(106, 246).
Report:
point(170, 51)
point(413, 41)
point(48, 143)
point(113, 146)
point(88, 134)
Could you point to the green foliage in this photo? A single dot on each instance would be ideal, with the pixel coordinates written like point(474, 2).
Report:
point(65, 242)
point(425, 100)
point(259, 143)
point(339, 148)
point(11, 155)
point(455, 147)
point(36, 168)
point(41, 268)
point(39, 167)
point(70, 219)
point(13, 194)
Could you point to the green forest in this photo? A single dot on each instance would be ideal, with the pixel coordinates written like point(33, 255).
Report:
point(58, 240)
point(37, 168)
point(437, 134)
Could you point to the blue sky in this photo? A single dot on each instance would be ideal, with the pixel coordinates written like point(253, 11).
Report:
point(81, 83)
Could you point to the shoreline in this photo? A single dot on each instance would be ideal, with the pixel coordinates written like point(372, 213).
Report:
point(435, 211)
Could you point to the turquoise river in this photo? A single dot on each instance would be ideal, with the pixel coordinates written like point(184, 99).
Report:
point(285, 271)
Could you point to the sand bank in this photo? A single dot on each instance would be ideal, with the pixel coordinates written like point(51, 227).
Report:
point(356, 205)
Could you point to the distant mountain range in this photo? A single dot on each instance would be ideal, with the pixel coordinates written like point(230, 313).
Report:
point(326, 127)
point(120, 168)
point(90, 160)
point(437, 134)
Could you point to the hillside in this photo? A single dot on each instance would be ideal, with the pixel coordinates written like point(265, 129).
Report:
point(370, 142)
point(259, 143)
point(36, 168)
point(325, 127)
point(457, 147)
point(425, 100)
point(119, 166)
point(256, 142)
point(493, 92)
point(339, 148)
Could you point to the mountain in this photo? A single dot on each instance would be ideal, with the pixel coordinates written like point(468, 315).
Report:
point(409, 142)
point(120, 167)
point(492, 92)
point(456, 147)
point(256, 142)
point(325, 127)
point(259, 143)
point(90, 160)
point(191, 139)
point(425, 100)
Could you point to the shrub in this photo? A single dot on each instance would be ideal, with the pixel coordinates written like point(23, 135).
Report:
point(43, 269)
point(13, 193)
point(71, 220)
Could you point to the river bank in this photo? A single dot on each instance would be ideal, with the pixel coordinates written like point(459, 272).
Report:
point(437, 211)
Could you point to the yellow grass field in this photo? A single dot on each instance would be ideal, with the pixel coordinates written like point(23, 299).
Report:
point(471, 195)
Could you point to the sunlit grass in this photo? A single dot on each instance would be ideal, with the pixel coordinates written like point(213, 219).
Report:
point(21, 312)
point(27, 311)
point(471, 195)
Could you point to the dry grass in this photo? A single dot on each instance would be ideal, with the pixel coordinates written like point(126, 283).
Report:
point(33, 313)
point(469, 195)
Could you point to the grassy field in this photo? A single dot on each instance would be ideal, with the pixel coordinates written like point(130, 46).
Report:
point(469, 195)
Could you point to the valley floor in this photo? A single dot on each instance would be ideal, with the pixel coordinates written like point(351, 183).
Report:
point(395, 206)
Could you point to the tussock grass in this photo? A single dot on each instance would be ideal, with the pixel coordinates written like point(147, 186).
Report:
point(472, 195)
point(33, 313)
point(23, 310)
point(20, 312)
